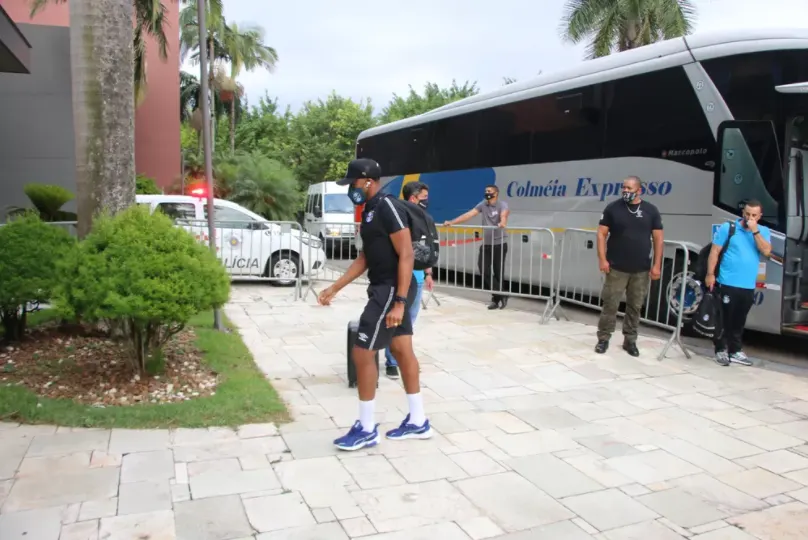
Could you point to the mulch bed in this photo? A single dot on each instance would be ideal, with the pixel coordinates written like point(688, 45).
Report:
point(92, 369)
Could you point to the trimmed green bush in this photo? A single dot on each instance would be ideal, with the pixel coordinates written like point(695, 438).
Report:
point(29, 253)
point(47, 200)
point(145, 185)
point(141, 277)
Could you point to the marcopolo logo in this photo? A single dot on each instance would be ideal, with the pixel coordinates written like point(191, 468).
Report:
point(603, 190)
point(585, 187)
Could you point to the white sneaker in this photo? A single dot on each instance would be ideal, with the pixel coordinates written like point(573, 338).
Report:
point(740, 358)
point(722, 358)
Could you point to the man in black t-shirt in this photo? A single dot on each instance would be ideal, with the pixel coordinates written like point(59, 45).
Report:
point(624, 254)
point(388, 258)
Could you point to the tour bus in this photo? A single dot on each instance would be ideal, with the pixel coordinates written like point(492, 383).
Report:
point(706, 121)
point(248, 245)
point(329, 215)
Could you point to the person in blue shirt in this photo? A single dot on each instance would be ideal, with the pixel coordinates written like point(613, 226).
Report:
point(736, 279)
point(416, 193)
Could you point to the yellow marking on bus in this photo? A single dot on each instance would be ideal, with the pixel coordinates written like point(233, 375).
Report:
point(408, 178)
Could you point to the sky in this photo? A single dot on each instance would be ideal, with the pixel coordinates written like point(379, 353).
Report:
point(372, 49)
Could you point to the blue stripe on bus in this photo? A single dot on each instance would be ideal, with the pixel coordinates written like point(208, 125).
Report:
point(451, 193)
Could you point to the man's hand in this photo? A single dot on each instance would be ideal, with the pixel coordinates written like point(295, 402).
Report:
point(709, 281)
point(447, 223)
point(752, 225)
point(326, 295)
point(429, 283)
point(604, 266)
point(656, 272)
point(503, 225)
point(395, 316)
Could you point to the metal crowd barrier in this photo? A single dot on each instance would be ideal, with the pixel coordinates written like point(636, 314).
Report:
point(519, 262)
point(583, 282)
point(340, 245)
point(273, 251)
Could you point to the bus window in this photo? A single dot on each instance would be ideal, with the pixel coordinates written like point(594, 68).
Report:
point(749, 168)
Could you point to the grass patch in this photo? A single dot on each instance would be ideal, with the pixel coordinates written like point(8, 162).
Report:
point(243, 395)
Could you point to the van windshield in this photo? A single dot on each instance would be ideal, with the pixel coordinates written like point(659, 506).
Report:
point(338, 203)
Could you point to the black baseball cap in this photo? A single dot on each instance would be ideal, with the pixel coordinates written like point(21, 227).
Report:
point(361, 168)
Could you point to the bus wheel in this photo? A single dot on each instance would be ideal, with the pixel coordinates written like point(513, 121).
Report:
point(283, 268)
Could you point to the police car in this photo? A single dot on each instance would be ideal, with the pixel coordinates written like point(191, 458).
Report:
point(247, 244)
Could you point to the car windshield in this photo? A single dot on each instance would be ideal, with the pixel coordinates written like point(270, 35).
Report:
point(338, 203)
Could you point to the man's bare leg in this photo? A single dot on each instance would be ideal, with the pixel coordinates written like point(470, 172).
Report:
point(415, 426)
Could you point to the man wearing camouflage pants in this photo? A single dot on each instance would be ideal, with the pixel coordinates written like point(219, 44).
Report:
point(624, 253)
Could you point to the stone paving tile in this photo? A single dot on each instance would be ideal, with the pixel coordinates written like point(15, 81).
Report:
point(536, 437)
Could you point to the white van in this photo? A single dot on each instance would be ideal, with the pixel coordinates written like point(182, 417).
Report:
point(247, 244)
point(329, 215)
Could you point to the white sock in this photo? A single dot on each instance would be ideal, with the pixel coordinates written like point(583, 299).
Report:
point(417, 415)
point(366, 413)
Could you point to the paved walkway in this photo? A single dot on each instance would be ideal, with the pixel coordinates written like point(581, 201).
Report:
point(538, 438)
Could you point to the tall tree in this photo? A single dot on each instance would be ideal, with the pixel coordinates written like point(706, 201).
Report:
point(620, 25)
point(244, 49)
point(149, 21)
point(433, 97)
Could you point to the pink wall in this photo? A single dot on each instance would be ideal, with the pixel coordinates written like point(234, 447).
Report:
point(157, 119)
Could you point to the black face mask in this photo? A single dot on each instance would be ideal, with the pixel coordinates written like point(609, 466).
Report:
point(489, 196)
point(424, 204)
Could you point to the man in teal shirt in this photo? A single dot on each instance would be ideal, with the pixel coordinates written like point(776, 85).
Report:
point(736, 279)
point(416, 193)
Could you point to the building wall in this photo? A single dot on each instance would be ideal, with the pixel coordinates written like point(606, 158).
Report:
point(36, 119)
point(157, 123)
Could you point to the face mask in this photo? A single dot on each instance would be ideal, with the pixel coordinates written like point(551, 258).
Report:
point(489, 196)
point(356, 195)
point(629, 196)
point(424, 204)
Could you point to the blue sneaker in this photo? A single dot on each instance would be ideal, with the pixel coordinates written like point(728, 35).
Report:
point(356, 438)
point(410, 431)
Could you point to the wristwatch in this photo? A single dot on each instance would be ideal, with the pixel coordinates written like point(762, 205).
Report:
point(400, 300)
point(755, 233)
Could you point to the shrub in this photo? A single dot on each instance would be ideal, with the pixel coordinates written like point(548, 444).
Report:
point(145, 185)
point(47, 200)
point(143, 278)
point(29, 253)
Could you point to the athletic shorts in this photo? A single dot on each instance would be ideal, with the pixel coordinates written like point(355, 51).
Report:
point(373, 333)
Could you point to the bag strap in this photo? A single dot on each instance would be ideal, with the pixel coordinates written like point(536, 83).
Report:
point(725, 247)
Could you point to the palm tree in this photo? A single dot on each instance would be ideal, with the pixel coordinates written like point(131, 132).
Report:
point(102, 65)
point(189, 39)
point(619, 25)
point(245, 50)
point(149, 20)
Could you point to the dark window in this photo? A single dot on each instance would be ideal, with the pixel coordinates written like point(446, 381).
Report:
point(657, 115)
point(178, 210)
point(455, 142)
point(750, 169)
point(569, 126)
point(230, 218)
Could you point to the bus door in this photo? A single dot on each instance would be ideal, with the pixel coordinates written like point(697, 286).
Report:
point(750, 167)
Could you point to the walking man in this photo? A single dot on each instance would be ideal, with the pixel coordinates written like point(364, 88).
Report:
point(416, 193)
point(492, 254)
point(624, 254)
point(388, 258)
point(737, 279)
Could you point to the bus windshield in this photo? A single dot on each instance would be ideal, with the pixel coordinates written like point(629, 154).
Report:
point(338, 203)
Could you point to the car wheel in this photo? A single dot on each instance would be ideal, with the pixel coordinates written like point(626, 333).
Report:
point(283, 268)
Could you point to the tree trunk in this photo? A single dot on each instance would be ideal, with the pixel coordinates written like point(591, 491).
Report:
point(233, 125)
point(102, 71)
point(212, 118)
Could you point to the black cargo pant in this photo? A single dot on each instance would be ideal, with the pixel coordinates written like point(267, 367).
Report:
point(490, 262)
point(635, 287)
point(735, 306)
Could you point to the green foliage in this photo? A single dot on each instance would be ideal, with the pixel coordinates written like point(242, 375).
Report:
point(47, 200)
point(29, 253)
point(145, 185)
point(616, 25)
point(434, 96)
point(266, 187)
point(143, 277)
